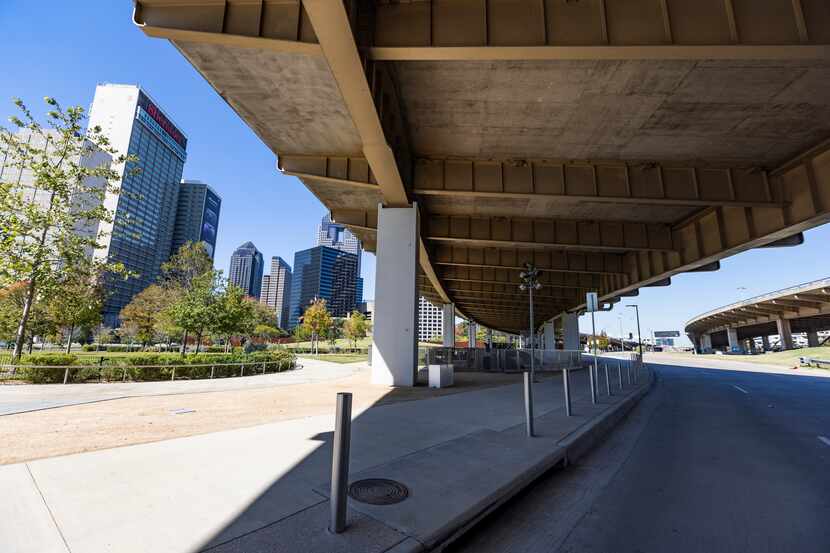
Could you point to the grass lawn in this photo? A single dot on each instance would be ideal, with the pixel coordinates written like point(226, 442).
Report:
point(339, 357)
point(787, 358)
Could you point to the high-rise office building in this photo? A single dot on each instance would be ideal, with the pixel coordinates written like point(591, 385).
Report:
point(337, 236)
point(246, 269)
point(276, 290)
point(430, 320)
point(197, 216)
point(325, 273)
point(141, 233)
point(23, 180)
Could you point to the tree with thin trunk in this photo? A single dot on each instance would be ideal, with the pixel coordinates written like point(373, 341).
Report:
point(45, 227)
point(77, 305)
point(316, 320)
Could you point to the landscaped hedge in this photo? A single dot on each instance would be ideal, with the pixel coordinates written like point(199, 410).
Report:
point(134, 367)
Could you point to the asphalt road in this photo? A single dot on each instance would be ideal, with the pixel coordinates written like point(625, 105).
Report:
point(711, 461)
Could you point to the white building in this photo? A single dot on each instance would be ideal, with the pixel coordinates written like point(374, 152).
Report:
point(430, 320)
point(24, 182)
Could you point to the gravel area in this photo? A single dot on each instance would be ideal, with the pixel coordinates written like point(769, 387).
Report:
point(136, 420)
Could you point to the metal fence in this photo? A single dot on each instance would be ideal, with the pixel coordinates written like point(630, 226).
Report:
point(65, 374)
point(499, 360)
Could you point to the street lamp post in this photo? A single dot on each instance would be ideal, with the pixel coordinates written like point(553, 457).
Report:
point(639, 337)
point(530, 283)
point(622, 338)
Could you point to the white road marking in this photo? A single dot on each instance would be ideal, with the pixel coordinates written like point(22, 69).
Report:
point(740, 389)
point(825, 440)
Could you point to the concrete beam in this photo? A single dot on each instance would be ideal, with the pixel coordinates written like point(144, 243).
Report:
point(666, 29)
point(619, 183)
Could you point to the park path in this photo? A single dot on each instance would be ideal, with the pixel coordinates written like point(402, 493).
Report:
point(34, 397)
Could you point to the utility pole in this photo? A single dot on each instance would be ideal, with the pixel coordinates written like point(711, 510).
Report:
point(639, 336)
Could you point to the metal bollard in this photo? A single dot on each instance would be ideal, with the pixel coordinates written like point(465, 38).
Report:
point(607, 380)
point(124, 376)
point(566, 385)
point(619, 373)
point(628, 371)
point(263, 368)
point(593, 385)
point(340, 462)
point(212, 368)
point(528, 387)
point(66, 375)
point(173, 374)
point(242, 370)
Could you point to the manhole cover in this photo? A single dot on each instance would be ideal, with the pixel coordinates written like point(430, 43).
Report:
point(378, 491)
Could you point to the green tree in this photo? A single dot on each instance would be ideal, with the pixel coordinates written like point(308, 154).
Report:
point(12, 299)
point(77, 304)
point(194, 309)
point(191, 261)
point(356, 327)
point(316, 320)
point(39, 241)
point(233, 313)
point(145, 311)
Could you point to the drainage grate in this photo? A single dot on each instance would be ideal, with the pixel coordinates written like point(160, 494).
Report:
point(378, 491)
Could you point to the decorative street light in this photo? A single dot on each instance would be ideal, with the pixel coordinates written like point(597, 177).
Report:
point(639, 337)
point(530, 283)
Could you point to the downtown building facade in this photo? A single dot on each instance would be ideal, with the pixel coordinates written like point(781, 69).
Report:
point(337, 236)
point(246, 269)
point(430, 320)
point(23, 181)
point(323, 272)
point(276, 290)
point(197, 216)
point(141, 233)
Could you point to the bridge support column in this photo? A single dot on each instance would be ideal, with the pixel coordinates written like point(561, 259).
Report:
point(471, 334)
point(734, 343)
point(706, 343)
point(765, 343)
point(550, 336)
point(448, 325)
point(785, 333)
point(570, 331)
point(395, 336)
point(489, 339)
point(812, 339)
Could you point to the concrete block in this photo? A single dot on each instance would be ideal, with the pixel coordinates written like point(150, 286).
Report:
point(440, 376)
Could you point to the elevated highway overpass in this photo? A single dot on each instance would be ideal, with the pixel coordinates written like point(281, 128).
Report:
point(612, 144)
point(799, 309)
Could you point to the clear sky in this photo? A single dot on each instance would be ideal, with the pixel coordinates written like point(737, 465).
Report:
point(54, 48)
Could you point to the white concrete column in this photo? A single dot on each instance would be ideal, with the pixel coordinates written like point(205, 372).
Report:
point(734, 343)
point(489, 338)
point(812, 339)
point(471, 334)
point(448, 323)
point(570, 330)
point(785, 333)
point(550, 336)
point(395, 335)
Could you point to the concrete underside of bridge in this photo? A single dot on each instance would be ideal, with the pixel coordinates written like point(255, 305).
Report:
point(612, 144)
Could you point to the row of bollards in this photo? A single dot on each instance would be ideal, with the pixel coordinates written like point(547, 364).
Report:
point(343, 422)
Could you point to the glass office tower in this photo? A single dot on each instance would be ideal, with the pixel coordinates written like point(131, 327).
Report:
point(325, 273)
point(246, 269)
point(141, 234)
point(197, 216)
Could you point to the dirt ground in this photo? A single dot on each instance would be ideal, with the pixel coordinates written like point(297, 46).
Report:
point(122, 422)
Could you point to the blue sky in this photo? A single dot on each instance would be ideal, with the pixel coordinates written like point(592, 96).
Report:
point(56, 49)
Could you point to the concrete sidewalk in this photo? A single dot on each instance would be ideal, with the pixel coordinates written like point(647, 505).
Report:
point(33, 397)
point(263, 488)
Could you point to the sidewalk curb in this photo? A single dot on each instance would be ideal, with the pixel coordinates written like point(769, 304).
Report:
point(568, 450)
